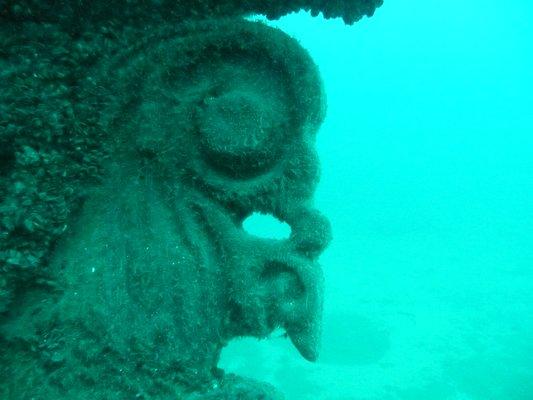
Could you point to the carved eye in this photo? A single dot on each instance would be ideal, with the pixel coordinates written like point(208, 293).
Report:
point(239, 133)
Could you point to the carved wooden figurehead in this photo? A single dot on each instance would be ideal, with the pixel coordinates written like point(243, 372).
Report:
point(134, 143)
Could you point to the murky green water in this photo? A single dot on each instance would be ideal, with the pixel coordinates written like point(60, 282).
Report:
point(427, 177)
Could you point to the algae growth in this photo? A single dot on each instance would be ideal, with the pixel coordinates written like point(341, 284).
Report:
point(135, 140)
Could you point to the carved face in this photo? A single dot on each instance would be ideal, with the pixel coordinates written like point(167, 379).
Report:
point(157, 272)
point(221, 134)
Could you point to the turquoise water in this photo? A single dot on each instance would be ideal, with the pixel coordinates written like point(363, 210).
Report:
point(427, 178)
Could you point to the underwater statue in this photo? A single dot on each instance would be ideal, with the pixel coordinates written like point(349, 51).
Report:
point(135, 139)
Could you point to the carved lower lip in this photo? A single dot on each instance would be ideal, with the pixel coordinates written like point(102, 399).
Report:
point(306, 339)
point(304, 324)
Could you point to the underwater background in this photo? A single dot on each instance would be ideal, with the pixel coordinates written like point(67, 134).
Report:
point(427, 179)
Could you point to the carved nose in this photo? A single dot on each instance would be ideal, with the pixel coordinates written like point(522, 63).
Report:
point(311, 232)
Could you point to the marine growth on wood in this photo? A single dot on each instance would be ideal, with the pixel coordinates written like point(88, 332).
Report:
point(135, 139)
